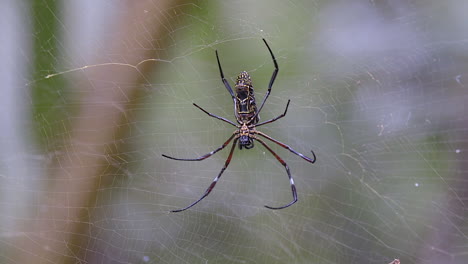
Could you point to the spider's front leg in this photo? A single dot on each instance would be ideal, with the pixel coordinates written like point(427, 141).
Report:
point(276, 118)
point(215, 116)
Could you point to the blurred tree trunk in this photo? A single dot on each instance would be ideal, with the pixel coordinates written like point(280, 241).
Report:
point(58, 232)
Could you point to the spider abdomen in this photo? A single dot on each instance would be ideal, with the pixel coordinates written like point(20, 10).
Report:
point(245, 98)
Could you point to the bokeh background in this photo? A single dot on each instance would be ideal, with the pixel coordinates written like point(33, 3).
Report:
point(93, 92)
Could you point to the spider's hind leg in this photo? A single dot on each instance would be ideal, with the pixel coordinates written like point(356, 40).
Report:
point(291, 181)
point(213, 184)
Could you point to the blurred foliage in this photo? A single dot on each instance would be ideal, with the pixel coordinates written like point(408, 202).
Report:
point(49, 96)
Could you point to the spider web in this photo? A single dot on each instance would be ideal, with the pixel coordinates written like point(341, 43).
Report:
point(378, 91)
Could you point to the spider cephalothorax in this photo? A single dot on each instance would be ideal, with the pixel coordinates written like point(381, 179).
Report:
point(246, 136)
point(247, 117)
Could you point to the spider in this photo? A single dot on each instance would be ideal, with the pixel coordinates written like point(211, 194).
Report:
point(247, 117)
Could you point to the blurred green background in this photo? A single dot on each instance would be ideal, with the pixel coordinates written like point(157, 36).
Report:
point(96, 91)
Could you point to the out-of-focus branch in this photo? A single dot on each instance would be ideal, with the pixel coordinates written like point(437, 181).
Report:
point(55, 235)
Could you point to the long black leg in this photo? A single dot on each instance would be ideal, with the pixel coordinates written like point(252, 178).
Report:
point(276, 118)
point(213, 184)
point(208, 154)
point(215, 116)
point(272, 80)
point(226, 84)
point(228, 87)
point(287, 147)
point(291, 181)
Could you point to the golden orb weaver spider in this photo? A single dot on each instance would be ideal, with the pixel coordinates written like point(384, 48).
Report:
point(246, 113)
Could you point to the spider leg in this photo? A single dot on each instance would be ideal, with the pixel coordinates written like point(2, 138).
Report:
point(226, 84)
point(213, 184)
point(276, 118)
point(208, 154)
point(215, 116)
point(272, 80)
point(287, 147)
point(291, 181)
